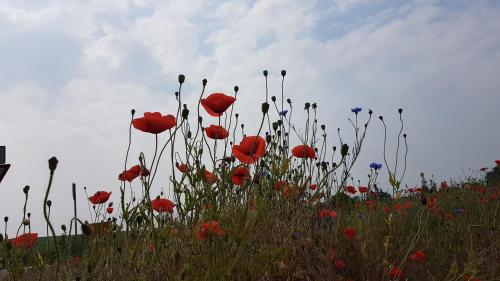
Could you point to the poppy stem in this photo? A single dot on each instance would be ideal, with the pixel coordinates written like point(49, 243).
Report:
point(46, 215)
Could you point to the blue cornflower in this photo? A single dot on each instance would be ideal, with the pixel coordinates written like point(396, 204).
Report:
point(283, 113)
point(375, 166)
point(356, 110)
point(458, 211)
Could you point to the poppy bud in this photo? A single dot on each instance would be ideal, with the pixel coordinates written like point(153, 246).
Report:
point(26, 189)
point(204, 81)
point(132, 111)
point(289, 101)
point(29, 215)
point(236, 89)
point(5, 219)
point(324, 165)
point(404, 135)
point(26, 222)
point(182, 78)
point(176, 94)
point(334, 148)
point(370, 111)
point(185, 113)
point(314, 105)
point(189, 134)
point(400, 110)
point(53, 164)
point(307, 105)
point(265, 107)
point(63, 227)
point(273, 98)
point(275, 126)
point(344, 150)
point(380, 117)
point(236, 115)
point(323, 127)
point(49, 203)
point(268, 138)
point(265, 72)
point(283, 73)
point(242, 126)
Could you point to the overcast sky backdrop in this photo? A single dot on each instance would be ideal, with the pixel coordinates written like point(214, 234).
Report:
point(70, 71)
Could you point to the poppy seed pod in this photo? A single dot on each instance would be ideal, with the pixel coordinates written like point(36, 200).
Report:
point(200, 119)
point(63, 227)
point(314, 106)
point(275, 126)
point(204, 82)
point(344, 150)
point(334, 148)
point(268, 138)
point(176, 94)
point(53, 164)
point(265, 107)
point(323, 127)
point(26, 189)
point(132, 112)
point(29, 215)
point(404, 135)
point(283, 73)
point(189, 134)
point(185, 113)
point(273, 98)
point(236, 115)
point(324, 165)
point(181, 78)
point(265, 73)
point(1, 238)
point(370, 111)
point(307, 105)
point(381, 117)
point(400, 110)
point(236, 89)
point(5, 219)
point(289, 101)
point(26, 222)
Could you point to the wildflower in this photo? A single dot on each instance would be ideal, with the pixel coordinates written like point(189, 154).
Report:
point(396, 273)
point(150, 248)
point(209, 177)
point(362, 189)
point(459, 211)
point(74, 260)
point(356, 110)
point(154, 122)
point(327, 213)
point(280, 184)
point(397, 207)
point(484, 201)
point(313, 186)
point(211, 228)
point(467, 278)
point(183, 167)
point(217, 103)
point(375, 166)
point(497, 162)
point(407, 205)
point(444, 185)
point(418, 256)
point(162, 205)
point(250, 149)
point(109, 210)
point(350, 233)
point(350, 189)
point(216, 132)
point(386, 209)
point(448, 216)
point(99, 197)
point(239, 175)
point(25, 241)
point(483, 169)
point(304, 151)
point(481, 189)
point(371, 204)
point(419, 189)
point(283, 113)
point(130, 174)
point(339, 264)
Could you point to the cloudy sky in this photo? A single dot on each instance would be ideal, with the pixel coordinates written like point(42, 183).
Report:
point(70, 71)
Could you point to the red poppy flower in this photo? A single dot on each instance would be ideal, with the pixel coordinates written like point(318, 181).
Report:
point(387, 209)
point(210, 178)
point(397, 207)
point(339, 264)
point(497, 162)
point(481, 189)
point(327, 213)
point(350, 233)
point(408, 205)
point(250, 149)
point(25, 241)
point(217, 103)
point(467, 278)
point(396, 273)
point(448, 216)
point(303, 151)
point(362, 189)
point(216, 132)
point(411, 190)
point(419, 189)
point(109, 210)
point(150, 248)
point(350, 189)
point(154, 122)
point(280, 184)
point(313, 186)
point(484, 201)
point(74, 260)
point(99, 197)
point(211, 228)
point(371, 204)
point(162, 205)
point(483, 169)
point(444, 185)
point(132, 173)
point(183, 167)
point(239, 175)
point(418, 256)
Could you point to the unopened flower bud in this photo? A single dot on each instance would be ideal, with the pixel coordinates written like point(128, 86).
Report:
point(273, 98)
point(181, 78)
point(275, 126)
point(265, 107)
point(5, 219)
point(283, 73)
point(53, 164)
point(26, 222)
point(404, 135)
point(307, 105)
point(26, 189)
point(400, 110)
point(381, 117)
point(344, 150)
point(63, 227)
point(323, 127)
point(204, 81)
point(236, 89)
point(185, 113)
point(265, 72)
point(289, 101)
point(268, 138)
point(370, 111)
point(314, 106)
point(132, 112)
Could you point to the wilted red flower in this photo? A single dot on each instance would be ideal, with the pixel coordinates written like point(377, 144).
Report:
point(313, 186)
point(154, 122)
point(363, 189)
point(407, 205)
point(132, 173)
point(419, 189)
point(387, 209)
point(304, 151)
point(467, 278)
point(350, 233)
point(217, 103)
point(371, 204)
point(211, 228)
point(327, 213)
point(25, 241)
point(396, 273)
point(418, 256)
point(162, 205)
point(150, 248)
point(483, 169)
point(109, 210)
point(444, 185)
point(497, 162)
point(350, 189)
point(280, 185)
point(484, 201)
point(481, 189)
point(339, 264)
point(99, 197)
point(250, 149)
point(216, 132)
point(210, 178)
point(448, 216)
point(183, 167)
point(397, 207)
point(239, 175)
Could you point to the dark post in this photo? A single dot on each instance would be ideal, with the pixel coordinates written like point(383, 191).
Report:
point(74, 207)
point(3, 167)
